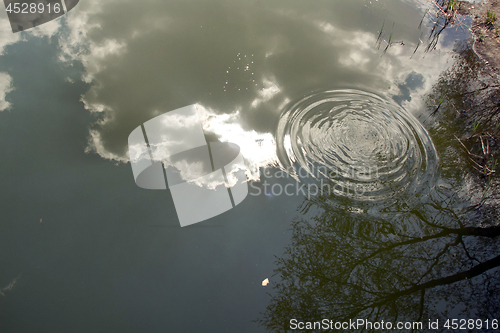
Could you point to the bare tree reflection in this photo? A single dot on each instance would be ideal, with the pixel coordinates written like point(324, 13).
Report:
point(465, 120)
point(407, 263)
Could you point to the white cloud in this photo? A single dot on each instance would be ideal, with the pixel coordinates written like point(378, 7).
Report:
point(6, 35)
point(5, 88)
point(258, 149)
point(138, 62)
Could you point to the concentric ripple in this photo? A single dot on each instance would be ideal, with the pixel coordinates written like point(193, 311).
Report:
point(366, 147)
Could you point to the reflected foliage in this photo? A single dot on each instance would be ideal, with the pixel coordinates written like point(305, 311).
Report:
point(405, 263)
point(465, 120)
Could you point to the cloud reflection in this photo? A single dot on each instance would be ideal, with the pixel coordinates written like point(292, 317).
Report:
point(161, 55)
point(5, 88)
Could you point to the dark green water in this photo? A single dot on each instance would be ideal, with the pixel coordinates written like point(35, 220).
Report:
point(84, 249)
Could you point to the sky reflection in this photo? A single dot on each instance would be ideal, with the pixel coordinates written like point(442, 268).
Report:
point(84, 82)
point(242, 64)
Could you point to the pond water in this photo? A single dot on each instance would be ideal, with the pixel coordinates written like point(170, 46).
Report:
point(332, 92)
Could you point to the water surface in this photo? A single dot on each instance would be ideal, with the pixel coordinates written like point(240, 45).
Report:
point(94, 252)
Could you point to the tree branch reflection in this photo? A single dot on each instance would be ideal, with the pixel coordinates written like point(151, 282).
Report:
point(395, 265)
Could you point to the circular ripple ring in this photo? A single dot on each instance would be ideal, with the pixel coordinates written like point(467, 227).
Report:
point(367, 147)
